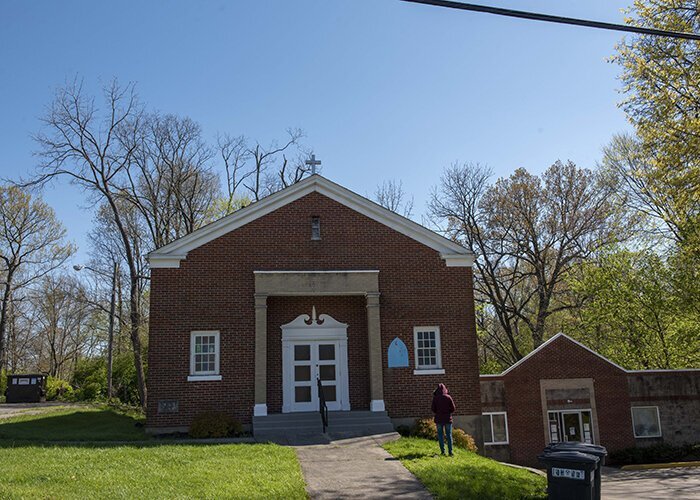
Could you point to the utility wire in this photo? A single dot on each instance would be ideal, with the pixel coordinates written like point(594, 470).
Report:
point(534, 16)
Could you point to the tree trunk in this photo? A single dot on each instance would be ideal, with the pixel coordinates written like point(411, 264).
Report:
point(3, 318)
point(136, 339)
point(110, 340)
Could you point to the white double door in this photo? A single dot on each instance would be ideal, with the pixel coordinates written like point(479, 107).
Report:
point(312, 361)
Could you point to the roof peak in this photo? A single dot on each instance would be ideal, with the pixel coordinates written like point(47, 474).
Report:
point(171, 254)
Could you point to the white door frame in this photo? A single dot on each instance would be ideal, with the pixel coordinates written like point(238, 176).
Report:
point(579, 412)
point(307, 329)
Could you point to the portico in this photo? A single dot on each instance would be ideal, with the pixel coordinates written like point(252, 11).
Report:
point(317, 283)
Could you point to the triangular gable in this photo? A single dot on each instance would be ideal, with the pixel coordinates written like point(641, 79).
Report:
point(171, 254)
point(560, 337)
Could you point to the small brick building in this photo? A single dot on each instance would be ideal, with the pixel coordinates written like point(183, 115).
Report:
point(311, 282)
point(564, 391)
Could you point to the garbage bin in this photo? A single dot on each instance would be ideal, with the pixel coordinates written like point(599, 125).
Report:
point(29, 388)
point(570, 475)
point(591, 449)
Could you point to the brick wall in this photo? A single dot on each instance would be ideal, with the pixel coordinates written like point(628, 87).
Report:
point(563, 359)
point(213, 290)
point(677, 396)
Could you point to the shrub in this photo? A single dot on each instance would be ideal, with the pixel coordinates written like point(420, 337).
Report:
point(57, 389)
point(658, 453)
point(90, 379)
point(403, 430)
point(463, 440)
point(124, 381)
point(89, 392)
point(426, 428)
point(214, 424)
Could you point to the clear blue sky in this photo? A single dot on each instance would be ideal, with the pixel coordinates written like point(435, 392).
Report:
point(382, 88)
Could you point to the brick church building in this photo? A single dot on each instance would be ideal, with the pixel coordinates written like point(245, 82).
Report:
point(315, 282)
point(312, 282)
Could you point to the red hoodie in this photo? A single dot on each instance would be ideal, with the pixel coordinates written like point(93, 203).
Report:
point(443, 405)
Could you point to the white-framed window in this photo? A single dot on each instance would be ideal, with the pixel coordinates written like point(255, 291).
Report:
point(426, 341)
point(204, 356)
point(646, 422)
point(495, 427)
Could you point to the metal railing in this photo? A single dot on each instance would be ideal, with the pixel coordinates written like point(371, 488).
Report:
point(322, 407)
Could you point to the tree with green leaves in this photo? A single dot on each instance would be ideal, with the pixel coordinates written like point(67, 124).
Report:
point(528, 233)
point(635, 310)
point(661, 78)
point(32, 245)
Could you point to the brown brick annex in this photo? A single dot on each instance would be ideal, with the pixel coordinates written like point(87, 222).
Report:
point(311, 282)
point(563, 391)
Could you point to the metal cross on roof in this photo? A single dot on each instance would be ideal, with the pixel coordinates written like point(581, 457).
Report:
point(313, 163)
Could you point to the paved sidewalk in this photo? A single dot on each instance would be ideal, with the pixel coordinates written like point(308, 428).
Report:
point(678, 483)
point(357, 468)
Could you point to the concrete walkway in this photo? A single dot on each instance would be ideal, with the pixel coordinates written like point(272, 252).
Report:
point(357, 468)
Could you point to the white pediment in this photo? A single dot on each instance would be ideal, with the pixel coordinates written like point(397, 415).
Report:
point(311, 327)
point(170, 255)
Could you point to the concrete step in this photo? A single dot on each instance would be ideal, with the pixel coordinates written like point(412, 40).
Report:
point(290, 428)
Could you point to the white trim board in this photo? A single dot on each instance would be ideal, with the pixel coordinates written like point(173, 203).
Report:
point(170, 255)
point(316, 272)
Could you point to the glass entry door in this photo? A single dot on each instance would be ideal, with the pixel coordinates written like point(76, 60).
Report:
point(570, 425)
point(312, 360)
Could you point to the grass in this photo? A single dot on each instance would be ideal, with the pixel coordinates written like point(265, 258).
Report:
point(157, 471)
point(81, 423)
point(36, 465)
point(466, 475)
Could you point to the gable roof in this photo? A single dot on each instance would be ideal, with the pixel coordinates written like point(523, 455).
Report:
point(579, 344)
point(551, 341)
point(171, 254)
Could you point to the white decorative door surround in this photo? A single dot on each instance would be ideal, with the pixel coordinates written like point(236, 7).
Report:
point(314, 348)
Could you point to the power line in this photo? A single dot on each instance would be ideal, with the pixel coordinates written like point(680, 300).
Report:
point(534, 16)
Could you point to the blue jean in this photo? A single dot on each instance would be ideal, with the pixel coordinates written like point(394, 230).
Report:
point(443, 429)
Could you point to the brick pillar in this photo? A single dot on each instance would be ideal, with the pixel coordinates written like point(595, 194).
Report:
point(376, 388)
point(260, 408)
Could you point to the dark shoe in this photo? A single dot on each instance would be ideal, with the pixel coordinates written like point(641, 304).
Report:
point(451, 454)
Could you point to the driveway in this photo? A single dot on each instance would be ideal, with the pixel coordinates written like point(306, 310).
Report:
point(14, 409)
point(676, 483)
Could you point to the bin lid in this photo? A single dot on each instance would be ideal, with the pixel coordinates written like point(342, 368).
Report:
point(572, 457)
point(591, 449)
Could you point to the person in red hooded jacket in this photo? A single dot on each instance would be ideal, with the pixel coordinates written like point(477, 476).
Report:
point(443, 407)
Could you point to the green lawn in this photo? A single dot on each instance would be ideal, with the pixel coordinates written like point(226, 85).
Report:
point(466, 475)
point(36, 465)
point(79, 423)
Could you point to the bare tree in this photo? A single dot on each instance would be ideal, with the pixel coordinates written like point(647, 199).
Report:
point(62, 323)
point(235, 155)
point(31, 246)
point(390, 194)
point(527, 232)
point(254, 171)
point(170, 182)
point(94, 150)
